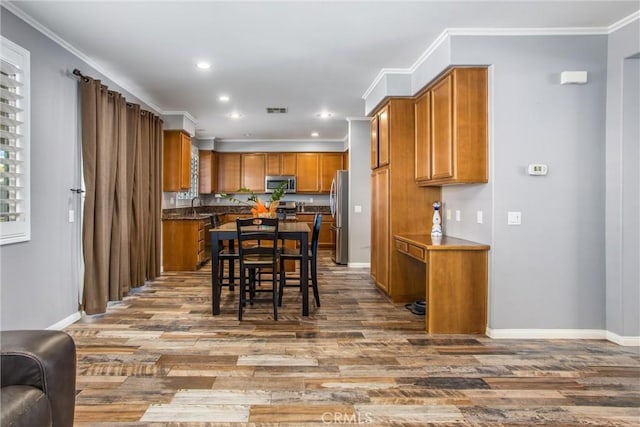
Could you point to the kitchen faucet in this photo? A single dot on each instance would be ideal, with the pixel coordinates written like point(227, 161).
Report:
point(193, 209)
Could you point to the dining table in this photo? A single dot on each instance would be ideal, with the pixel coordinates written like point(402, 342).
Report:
point(287, 230)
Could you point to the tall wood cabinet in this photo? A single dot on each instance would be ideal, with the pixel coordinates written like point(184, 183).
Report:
point(176, 161)
point(451, 129)
point(399, 205)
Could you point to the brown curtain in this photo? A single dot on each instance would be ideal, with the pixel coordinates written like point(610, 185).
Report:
point(121, 150)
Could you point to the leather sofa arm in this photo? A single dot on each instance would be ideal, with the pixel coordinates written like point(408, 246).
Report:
point(43, 359)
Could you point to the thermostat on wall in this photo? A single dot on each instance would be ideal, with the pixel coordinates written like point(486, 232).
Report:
point(537, 169)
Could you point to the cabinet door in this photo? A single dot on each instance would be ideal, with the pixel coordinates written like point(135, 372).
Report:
point(207, 172)
point(228, 172)
point(326, 237)
point(330, 163)
point(176, 161)
point(273, 164)
point(288, 164)
point(185, 159)
point(253, 168)
point(383, 136)
point(380, 228)
point(374, 142)
point(423, 138)
point(308, 172)
point(441, 129)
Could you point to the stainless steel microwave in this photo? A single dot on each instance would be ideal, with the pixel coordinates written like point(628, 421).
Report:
point(272, 182)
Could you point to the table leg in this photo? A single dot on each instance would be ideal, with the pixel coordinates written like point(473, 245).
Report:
point(215, 278)
point(304, 272)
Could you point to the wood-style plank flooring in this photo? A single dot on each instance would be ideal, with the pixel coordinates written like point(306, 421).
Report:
point(160, 358)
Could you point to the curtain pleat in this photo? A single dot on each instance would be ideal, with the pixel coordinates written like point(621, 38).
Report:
point(123, 203)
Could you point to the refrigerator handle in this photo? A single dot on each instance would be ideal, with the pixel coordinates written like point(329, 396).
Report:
point(332, 198)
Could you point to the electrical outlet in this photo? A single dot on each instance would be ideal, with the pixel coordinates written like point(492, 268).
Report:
point(310, 199)
point(448, 214)
point(479, 217)
point(458, 215)
point(72, 215)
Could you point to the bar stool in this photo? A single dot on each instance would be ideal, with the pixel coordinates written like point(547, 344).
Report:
point(257, 249)
point(295, 254)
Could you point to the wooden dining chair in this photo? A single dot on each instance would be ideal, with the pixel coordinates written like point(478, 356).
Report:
point(257, 249)
point(295, 254)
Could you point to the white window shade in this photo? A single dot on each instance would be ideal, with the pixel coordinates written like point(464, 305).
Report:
point(15, 218)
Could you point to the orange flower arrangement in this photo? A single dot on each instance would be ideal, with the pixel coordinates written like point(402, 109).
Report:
point(259, 208)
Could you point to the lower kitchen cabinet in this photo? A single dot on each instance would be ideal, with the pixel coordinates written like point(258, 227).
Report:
point(183, 244)
point(326, 238)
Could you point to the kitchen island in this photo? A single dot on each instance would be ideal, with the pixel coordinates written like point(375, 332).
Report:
point(452, 274)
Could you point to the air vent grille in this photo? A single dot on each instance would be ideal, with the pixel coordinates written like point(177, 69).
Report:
point(277, 110)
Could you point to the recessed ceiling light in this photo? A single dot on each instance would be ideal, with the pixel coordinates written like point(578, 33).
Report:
point(224, 98)
point(247, 134)
point(235, 115)
point(203, 65)
point(324, 115)
point(315, 134)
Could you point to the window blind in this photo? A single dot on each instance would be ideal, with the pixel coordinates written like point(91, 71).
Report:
point(14, 144)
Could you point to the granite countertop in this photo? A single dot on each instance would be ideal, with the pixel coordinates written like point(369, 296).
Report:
point(203, 212)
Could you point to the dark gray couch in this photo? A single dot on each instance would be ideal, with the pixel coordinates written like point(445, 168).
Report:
point(38, 378)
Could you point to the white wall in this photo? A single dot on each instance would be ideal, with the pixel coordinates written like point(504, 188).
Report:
point(359, 192)
point(623, 182)
point(548, 272)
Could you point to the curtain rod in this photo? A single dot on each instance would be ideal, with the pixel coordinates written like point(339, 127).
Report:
point(78, 73)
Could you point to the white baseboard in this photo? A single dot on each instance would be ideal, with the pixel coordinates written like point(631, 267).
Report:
point(623, 340)
point(579, 334)
point(66, 321)
point(550, 334)
point(359, 265)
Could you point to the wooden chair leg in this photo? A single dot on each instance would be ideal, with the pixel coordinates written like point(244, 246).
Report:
point(283, 282)
point(314, 282)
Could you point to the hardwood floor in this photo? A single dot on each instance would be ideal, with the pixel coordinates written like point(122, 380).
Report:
point(160, 358)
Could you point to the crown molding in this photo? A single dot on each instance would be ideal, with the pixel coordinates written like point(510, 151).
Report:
point(449, 32)
point(181, 113)
point(624, 22)
point(144, 97)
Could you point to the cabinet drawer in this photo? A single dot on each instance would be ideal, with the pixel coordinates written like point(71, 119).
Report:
point(201, 245)
point(200, 235)
point(402, 246)
point(417, 252)
point(412, 250)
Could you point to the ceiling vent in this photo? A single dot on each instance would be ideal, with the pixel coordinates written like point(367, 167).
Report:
point(277, 110)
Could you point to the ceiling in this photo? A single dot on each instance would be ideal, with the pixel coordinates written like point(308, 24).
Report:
point(307, 56)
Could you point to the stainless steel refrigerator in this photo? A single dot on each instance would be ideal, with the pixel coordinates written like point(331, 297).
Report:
point(339, 203)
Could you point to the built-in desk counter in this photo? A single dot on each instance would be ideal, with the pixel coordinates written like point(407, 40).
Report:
point(452, 275)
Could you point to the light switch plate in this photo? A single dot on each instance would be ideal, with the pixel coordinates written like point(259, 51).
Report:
point(514, 218)
point(479, 217)
point(449, 214)
point(458, 215)
point(357, 208)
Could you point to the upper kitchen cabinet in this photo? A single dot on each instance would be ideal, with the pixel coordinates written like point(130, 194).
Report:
point(253, 171)
point(281, 164)
point(307, 172)
point(229, 172)
point(207, 172)
point(451, 129)
point(380, 138)
point(329, 164)
point(176, 161)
